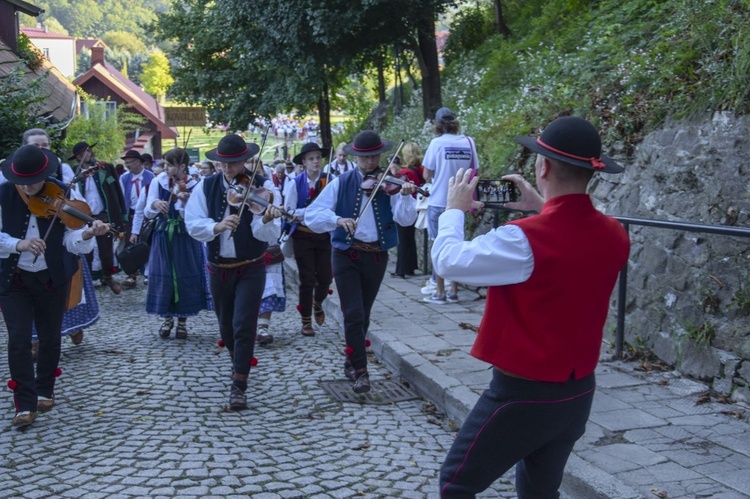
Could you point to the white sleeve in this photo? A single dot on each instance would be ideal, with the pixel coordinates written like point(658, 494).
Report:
point(7, 242)
point(404, 209)
point(199, 225)
point(502, 256)
point(320, 215)
point(153, 195)
point(138, 214)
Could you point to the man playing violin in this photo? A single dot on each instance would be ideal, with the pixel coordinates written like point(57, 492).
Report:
point(103, 194)
point(360, 240)
point(35, 275)
point(236, 246)
point(312, 251)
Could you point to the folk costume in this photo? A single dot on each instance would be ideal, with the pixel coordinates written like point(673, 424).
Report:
point(132, 184)
point(550, 277)
point(312, 250)
point(406, 253)
point(102, 192)
point(236, 263)
point(359, 262)
point(177, 284)
point(34, 289)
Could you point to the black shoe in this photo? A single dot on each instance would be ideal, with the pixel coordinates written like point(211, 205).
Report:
point(350, 373)
point(362, 383)
point(181, 331)
point(237, 399)
point(264, 339)
point(394, 274)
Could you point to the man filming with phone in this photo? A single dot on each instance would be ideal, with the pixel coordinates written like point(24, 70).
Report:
point(550, 277)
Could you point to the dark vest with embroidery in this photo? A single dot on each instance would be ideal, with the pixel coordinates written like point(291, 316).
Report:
point(15, 217)
point(350, 201)
point(246, 247)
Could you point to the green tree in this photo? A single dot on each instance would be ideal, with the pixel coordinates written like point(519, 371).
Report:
point(107, 130)
point(123, 40)
point(156, 77)
point(20, 106)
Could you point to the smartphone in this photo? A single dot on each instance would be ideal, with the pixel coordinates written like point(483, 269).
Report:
point(495, 193)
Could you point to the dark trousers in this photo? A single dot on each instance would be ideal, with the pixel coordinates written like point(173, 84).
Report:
point(32, 299)
point(358, 276)
point(406, 260)
point(105, 245)
point(312, 252)
point(237, 294)
point(531, 424)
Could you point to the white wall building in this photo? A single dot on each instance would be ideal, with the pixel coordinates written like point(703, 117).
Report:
point(59, 49)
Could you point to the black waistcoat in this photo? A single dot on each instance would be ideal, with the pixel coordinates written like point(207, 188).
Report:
point(15, 217)
point(246, 247)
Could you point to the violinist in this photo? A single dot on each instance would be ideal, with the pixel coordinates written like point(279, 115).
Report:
point(35, 274)
point(312, 251)
point(237, 238)
point(177, 284)
point(360, 240)
point(102, 192)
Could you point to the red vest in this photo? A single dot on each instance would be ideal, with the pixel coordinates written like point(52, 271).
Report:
point(549, 328)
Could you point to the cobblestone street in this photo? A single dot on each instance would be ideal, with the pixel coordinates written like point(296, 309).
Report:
point(141, 416)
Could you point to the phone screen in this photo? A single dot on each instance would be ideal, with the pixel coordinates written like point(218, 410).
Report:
point(495, 193)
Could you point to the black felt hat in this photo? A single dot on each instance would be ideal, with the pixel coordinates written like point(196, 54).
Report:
point(368, 143)
point(147, 158)
point(29, 164)
point(132, 154)
point(232, 148)
point(310, 147)
point(574, 141)
point(79, 148)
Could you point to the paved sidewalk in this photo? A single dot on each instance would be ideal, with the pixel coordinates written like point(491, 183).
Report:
point(648, 435)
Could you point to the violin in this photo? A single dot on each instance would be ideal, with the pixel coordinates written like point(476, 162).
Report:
point(390, 185)
point(179, 187)
point(257, 200)
point(51, 202)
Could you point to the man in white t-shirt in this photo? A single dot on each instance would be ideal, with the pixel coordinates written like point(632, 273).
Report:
point(446, 154)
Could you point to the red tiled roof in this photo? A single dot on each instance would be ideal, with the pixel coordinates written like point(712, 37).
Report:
point(82, 43)
point(130, 93)
point(41, 33)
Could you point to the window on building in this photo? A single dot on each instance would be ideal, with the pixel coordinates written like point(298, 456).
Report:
point(45, 51)
point(109, 106)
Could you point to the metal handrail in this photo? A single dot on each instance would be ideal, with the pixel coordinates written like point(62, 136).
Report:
point(661, 224)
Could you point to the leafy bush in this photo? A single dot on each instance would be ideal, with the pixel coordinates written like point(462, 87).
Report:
point(20, 105)
point(470, 29)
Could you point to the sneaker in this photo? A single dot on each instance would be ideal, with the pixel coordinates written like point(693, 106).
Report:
point(451, 298)
point(44, 404)
point(429, 288)
point(24, 418)
point(435, 299)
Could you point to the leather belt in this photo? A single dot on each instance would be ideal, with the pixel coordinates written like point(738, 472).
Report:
point(233, 263)
point(363, 246)
point(303, 228)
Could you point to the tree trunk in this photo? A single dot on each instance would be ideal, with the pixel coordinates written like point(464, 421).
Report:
point(500, 25)
point(381, 79)
point(324, 114)
point(429, 66)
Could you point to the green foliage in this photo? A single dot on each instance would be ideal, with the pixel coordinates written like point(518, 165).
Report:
point(701, 335)
point(126, 41)
point(28, 53)
point(20, 103)
point(108, 132)
point(471, 27)
point(156, 77)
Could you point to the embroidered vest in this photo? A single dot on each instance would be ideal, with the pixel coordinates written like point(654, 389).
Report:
point(348, 205)
point(246, 247)
point(549, 328)
point(127, 184)
point(15, 217)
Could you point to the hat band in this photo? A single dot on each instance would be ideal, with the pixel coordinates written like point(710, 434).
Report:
point(40, 170)
point(596, 163)
point(232, 155)
point(367, 149)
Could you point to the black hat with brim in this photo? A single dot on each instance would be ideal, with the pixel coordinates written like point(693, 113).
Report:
point(310, 147)
point(573, 141)
point(232, 148)
point(147, 158)
point(29, 165)
point(132, 154)
point(368, 143)
point(79, 148)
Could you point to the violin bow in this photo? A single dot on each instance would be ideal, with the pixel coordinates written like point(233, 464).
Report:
point(252, 178)
point(375, 190)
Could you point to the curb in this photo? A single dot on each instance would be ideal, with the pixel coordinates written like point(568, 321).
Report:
point(580, 480)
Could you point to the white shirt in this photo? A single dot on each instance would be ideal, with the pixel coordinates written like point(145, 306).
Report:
point(72, 239)
point(291, 196)
point(153, 194)
point(320, 216)
point(444, 156)
point(501, 256)
point(133, 190)
point(201, 227)
point(138, 214)
point(93, 198)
